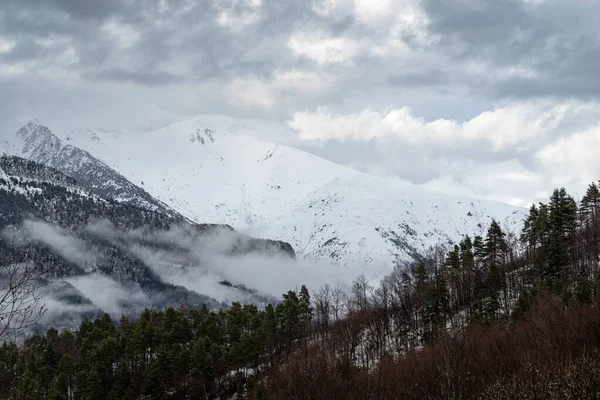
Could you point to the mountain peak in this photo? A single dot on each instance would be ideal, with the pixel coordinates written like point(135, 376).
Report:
point(35, 124)
point(38, 140)
point(31, 127)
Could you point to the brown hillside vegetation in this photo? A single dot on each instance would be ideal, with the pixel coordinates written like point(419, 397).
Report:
point(554, 353)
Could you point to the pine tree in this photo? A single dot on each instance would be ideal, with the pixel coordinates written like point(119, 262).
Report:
point(64, 380)
point(49, 365)
point(93, 387)
point(269, 330)
point(479, 247)
point(583, 291)
point(562, 222)
point(202, 371)
point(155, 384)
point(9, 354)
point(493, 286)
point(589, 216)
point(528, 234)
point(540, 226)
point(590, 205)
point(468, 278)
point(290, 317)
point(305, 308)
point(452, 262)
point(436, 306)
point(27, 387)
point(495, 244)
point(467, 257)
point(523, 302)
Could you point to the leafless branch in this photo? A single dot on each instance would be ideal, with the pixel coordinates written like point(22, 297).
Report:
point(21, 306)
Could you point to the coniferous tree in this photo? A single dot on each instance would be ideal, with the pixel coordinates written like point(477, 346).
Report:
point(436, 306)
point(27, 387)
point(305, 308)
point(529, 232)
point(495, 244)
point(122, 387)
point(9, 357)
point(155, 384)
point(479, 246)
point(562, 222)
point(589, 216)
point(202, 371)
point(468, 273)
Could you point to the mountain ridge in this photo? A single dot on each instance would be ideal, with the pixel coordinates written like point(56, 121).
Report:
point(39, 144)
point(327, 212)
point(89, 249)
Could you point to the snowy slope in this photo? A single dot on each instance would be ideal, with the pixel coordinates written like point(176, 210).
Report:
point(37, 143)
point(326, 211)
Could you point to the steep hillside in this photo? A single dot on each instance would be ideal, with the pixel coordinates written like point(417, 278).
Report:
point(98, 254)
point(37, 143)
point(326, 211)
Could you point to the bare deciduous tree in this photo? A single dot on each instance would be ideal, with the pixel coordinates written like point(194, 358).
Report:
point(21, 305)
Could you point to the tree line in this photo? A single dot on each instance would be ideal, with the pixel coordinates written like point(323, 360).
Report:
point(502, 315)
point(180, 353)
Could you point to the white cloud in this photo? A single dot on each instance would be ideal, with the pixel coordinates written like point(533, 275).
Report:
point(238, 21)
point(59, 240)
point(573, 159)
point(514, 153)
point(7, 45)
point(374, 11)
point(285, 85)
point(499, 129)
point(122, 35)
point(325, 49)
point(333, 8)
point(57, 67)
point(14, 69)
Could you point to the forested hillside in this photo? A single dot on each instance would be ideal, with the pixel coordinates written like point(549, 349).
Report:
point(501, 316)
point(193, 353)
point(89, 254)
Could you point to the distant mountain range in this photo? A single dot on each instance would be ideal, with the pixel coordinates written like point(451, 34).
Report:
point(327, 212)
point(152, 215)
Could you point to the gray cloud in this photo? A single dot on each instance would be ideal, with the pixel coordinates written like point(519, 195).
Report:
point(548, 42)
point(185, 35)
point(555, 44)
point(136, 65)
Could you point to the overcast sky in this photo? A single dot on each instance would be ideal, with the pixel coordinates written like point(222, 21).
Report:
point(490, 98)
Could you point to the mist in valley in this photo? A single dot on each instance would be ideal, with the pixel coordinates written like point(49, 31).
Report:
point(220, 264)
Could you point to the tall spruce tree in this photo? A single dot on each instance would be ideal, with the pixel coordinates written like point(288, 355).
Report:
point(436, 306)
point(495, 244)
point(562, 222)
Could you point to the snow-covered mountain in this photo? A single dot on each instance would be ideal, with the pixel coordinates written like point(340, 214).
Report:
point(36, 142)
point(97, 254)
point(324, 210)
